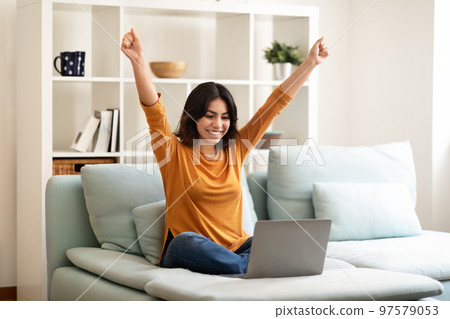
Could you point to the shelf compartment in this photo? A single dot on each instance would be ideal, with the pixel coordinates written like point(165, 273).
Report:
point(73, 102)
point(93, 29)
point(241, 99)
point(232, 47)
point(269, 28)
point(213, 49)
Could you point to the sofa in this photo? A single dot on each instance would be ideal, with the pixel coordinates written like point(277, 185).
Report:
point(104, 231)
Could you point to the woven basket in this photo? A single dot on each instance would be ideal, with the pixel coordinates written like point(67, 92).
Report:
point(72, 166)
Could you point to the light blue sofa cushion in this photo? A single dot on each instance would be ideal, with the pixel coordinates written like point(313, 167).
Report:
point(249, 217)
point(149, 220)
point(366, 210)
point(292, 172)
point(111, 192)
point(257, 185)
point(426, 254)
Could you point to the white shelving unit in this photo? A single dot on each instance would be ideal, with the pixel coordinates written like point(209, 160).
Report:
point(222, 42)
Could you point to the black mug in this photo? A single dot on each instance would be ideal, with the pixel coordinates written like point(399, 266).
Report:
point(72, 63)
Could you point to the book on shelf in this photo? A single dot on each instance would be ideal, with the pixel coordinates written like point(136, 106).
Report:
point(84, 137)
point(101, 131)
point(114, 143)
point(102, 136)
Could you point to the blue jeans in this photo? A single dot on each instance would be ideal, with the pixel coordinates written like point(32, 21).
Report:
point(196, 252)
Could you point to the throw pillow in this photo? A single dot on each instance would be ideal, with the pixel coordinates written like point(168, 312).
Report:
point(149, 220)
point(366, 210)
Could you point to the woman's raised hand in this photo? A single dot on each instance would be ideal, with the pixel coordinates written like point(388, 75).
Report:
point(131, 46)
point(318, 52)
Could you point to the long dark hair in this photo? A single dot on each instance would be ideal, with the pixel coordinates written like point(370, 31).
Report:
point(196, 107)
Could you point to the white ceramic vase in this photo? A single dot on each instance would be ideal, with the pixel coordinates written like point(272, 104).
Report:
point(282, 70)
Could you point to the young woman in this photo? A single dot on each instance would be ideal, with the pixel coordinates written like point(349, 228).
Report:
point(201, 163)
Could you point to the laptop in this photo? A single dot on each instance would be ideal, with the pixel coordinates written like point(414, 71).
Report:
point(288, 248)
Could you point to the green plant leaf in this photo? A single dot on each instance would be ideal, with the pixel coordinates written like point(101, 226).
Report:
point(282, 53)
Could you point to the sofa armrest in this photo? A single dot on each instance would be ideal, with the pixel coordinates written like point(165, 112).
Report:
point(67, 221)
point(257, 184)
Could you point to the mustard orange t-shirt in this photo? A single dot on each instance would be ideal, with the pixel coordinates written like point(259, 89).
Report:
point(204, 195)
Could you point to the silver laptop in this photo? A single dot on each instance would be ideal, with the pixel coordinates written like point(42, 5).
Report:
point(288, 248)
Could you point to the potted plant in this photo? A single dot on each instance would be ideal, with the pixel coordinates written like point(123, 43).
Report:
point(282, 56)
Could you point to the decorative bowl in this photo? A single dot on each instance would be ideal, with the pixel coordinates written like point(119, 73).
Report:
point(168, 69)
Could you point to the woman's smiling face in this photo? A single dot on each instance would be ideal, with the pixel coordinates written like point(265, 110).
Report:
point(215, 123)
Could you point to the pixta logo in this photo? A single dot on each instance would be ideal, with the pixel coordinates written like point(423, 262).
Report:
point(140, 152)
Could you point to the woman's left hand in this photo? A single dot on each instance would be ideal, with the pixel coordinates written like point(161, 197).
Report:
point(318, 52)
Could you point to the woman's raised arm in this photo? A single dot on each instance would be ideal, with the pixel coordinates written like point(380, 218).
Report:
point(131, 46)
point(293, 84)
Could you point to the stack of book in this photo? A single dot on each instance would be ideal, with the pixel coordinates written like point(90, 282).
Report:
point(101, 130)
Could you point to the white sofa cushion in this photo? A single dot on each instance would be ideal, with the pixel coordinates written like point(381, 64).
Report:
point(427, 254)
point(349, 284)
point(366, 210)
point(339, 281)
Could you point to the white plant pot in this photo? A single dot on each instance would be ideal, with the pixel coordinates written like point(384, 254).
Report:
point(282, 70)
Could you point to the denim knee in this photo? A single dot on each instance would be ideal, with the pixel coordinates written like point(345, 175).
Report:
point(180, 248)
point(186, 241)
point(188, 235)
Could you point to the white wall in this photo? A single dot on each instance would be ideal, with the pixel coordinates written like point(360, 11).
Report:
point(7, 145)
point(391, 54)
